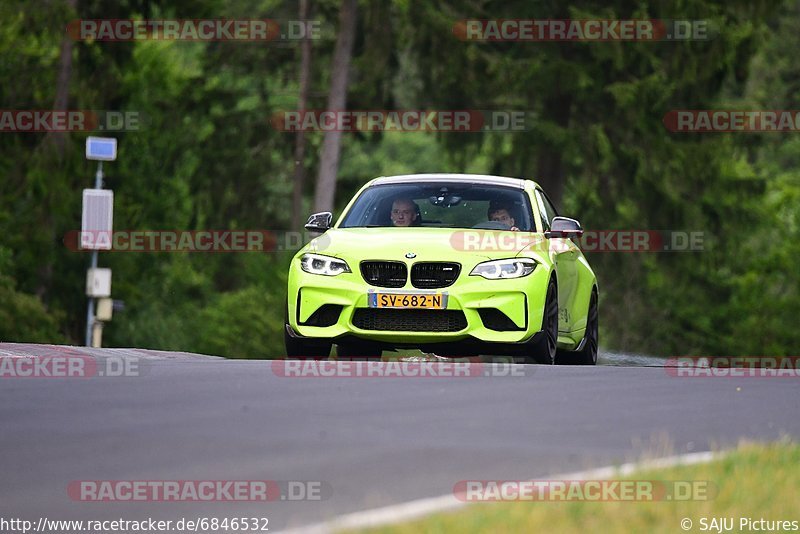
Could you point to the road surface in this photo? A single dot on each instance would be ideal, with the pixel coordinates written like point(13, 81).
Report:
point(367, 442)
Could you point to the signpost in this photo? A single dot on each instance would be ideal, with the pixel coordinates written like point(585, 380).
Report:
point(101, 149)
point(97, 217)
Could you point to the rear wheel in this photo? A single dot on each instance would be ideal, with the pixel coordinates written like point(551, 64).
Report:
point(544, 350)
point(587, 355)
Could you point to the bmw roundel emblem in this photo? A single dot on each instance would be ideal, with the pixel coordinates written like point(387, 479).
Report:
point(411, 255)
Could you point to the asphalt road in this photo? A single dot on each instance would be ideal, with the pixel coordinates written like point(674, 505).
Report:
point(369, 442)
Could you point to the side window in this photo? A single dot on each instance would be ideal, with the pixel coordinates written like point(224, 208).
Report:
point(548, 207)
point(540, 202)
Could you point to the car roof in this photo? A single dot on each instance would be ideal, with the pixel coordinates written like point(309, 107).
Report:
point(448, 177)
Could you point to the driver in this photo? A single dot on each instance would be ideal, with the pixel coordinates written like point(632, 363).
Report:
point(502, 214)
point(404, 212)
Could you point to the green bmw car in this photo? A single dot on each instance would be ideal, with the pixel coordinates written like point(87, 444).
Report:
point(451, 264)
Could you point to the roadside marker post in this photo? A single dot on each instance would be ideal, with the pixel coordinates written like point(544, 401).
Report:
point(97, 216)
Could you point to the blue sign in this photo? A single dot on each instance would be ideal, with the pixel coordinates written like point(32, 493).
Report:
point(101, 148)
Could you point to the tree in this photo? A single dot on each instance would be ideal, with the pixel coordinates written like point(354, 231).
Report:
point(337, 101)
point(300, 139)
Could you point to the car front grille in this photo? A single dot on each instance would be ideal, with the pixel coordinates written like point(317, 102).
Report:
point(384, 273)
point(409, 320)
point(431, 275)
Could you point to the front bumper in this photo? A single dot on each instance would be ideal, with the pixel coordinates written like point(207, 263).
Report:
point(339, 299)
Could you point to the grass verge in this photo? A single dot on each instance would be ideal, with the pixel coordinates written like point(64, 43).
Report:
point(753, 482)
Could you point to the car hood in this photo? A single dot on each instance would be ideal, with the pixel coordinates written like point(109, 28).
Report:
point(427, 244)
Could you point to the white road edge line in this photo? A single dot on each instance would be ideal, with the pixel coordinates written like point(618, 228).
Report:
point(407, 511)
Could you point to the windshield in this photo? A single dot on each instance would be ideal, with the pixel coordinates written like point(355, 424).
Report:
point(441, 205)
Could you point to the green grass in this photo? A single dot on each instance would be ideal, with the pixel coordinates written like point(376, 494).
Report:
point(756, 481)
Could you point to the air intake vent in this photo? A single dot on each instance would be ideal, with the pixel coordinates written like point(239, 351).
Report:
point(409, 320)
point(325, 315)
point(494, 319)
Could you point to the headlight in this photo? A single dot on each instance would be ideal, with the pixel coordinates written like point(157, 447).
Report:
point(511, 268)
point(326, 265)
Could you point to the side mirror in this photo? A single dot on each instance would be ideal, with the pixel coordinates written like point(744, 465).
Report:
point(319, 222)
point(564, 227)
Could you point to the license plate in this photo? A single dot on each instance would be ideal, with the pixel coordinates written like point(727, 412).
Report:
point(428, 301)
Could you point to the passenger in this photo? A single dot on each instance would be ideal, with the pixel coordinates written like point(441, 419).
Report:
point(502, 213)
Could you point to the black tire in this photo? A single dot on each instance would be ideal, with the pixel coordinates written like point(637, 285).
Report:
point(587, 355)
point(304, 348)
point(297, 347)
point(354, 350)
point(544, 350)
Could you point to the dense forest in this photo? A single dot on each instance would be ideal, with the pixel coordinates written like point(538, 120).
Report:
point(205, 156)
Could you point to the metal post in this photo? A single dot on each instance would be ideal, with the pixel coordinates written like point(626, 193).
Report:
point(98, 184)
point(98, 176)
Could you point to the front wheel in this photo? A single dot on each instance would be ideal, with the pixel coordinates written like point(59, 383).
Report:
point(305, 348)
point(357, 351)
point(544, 350)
